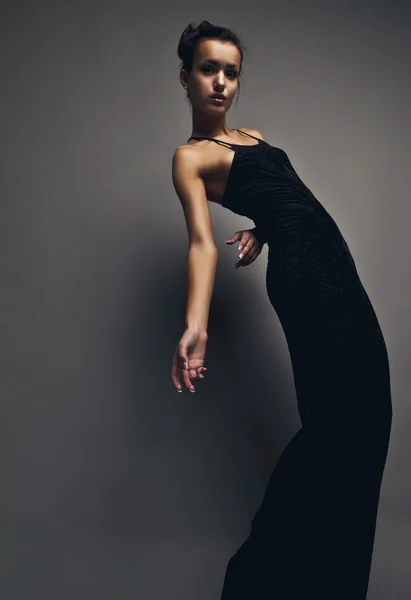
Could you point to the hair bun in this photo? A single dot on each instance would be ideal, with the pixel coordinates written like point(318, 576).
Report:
point(192, 30)
point(205, 25)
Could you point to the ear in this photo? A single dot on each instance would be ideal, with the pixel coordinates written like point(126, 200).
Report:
point(183, 78)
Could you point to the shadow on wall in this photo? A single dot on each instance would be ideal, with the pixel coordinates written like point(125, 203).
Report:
point(249, 377)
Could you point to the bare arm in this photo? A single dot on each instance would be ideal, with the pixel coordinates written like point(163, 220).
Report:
point(202, 251)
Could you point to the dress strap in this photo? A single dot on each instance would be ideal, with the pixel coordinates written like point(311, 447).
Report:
point(222, 141)
point(212, 139)
point(249, 134)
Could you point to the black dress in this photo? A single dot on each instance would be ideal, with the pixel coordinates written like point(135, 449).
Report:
point(313, 535)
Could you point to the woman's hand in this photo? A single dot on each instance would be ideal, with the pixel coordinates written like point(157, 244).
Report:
point(250, 247)
point(188, 360)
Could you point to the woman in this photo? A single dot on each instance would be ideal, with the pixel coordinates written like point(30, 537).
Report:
point(313, 534)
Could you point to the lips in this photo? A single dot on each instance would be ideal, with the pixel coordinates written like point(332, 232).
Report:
point(218, 96)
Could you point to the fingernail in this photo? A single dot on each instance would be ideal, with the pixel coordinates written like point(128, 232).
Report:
point(180, 391)
point(185, 365)
point(240, 255)
point(240, 247)
point(192, 391)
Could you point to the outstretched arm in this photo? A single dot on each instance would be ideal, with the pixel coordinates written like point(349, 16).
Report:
point(188, 359)
point(202, 250)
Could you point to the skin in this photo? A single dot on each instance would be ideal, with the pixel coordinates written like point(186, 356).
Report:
point(189, 164)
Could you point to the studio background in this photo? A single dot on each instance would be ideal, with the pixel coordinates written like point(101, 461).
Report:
point(113, 484)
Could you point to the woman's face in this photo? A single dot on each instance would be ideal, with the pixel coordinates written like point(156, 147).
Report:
point(215, 69)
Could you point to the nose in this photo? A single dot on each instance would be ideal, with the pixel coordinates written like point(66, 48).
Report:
point(220, 82)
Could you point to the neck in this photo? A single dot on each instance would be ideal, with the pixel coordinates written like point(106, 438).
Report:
point(206, 126)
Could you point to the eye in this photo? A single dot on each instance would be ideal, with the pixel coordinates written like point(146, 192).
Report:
point(233, 74)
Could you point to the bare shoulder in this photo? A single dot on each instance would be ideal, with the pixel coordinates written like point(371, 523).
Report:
point(186, 150)
point(254, 132)
point(191, 190)
point(186, 162)
point(189, 153)
point(188, 157)
point(192, 159)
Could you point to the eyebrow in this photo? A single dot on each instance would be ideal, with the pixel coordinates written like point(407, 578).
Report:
point(216, 62)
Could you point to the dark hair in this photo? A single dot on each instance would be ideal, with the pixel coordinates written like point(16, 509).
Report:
point(192, 35)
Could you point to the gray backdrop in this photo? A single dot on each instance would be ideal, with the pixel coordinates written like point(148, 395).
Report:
point(113, 484)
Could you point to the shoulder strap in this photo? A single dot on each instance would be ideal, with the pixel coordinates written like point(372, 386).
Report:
point(193, 137)
point(249, 134)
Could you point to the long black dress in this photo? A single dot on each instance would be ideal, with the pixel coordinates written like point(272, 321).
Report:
point(313, 535)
